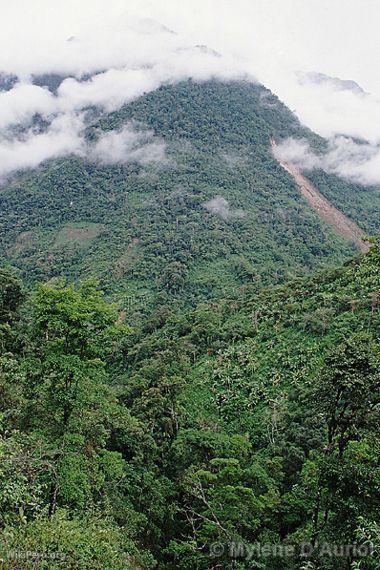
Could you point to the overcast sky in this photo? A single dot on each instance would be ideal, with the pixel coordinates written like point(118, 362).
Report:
point(130, 42)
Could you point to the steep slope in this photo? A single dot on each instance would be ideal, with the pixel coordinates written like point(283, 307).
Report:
point(342, 225)
point(269, 338)
point(243, 433)
point(237, 394)
point(217, 213)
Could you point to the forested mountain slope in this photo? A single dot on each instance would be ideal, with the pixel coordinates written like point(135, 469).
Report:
point(267, 405)
point(248, 421)
point(216, 213)
point(342, 224)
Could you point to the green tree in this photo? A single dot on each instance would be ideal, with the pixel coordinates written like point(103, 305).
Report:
point(346, 397)
point(71, 333)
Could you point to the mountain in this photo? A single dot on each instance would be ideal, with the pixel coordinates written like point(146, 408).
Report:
point(215, 213)
point(7, 81)
point(315, 78)
point(210, 399)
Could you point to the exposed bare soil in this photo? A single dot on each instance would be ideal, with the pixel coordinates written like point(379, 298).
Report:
point(341, 223)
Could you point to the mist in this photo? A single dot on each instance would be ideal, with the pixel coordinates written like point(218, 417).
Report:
point(110, 53)
point(220, 207)
point(66, 136)
point(128, 145)
point(357, 162)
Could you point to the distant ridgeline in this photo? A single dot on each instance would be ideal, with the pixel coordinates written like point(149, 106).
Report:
point(217, 213)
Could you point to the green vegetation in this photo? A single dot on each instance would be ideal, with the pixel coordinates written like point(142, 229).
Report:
point(249, 420)
point(226, 398)
point(149, 239)
point(77, 234)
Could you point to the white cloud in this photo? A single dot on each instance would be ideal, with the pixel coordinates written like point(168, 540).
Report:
point(65, 136)
point(22, 102)
point(297, 152)
point(62, 138)
point(109, 90)
point(358, 162)
point(134, 47)
point(128, 145)
point(128, 55)
point(330, 111)
point(221, 207)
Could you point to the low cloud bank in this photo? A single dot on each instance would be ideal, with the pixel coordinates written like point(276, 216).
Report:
point(111, 53)
point(29, 151)
point(128, 145)
point(163, 58)
point(65, 136)
point(331, 111)
point(357, 162)
point(111, 89)
point(20, 104)
point(221, 207)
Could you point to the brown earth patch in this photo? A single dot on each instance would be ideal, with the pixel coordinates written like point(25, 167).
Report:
point(24, 241)
point(342, 224)
point(124, 262)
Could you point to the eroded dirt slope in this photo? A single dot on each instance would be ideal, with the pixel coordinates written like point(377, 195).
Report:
point(341, 223)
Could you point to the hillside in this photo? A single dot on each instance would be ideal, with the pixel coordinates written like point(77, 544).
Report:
point(192, 441)
point(214, 390)
point(248, 389)
point(342, 225)
point(216, 213)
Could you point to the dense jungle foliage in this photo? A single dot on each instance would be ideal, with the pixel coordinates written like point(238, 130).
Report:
point(252, 420)
point(186, 386)
point(144, 230)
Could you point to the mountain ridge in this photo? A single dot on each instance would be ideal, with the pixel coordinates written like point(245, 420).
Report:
point(218, 400)
point(151, 220)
